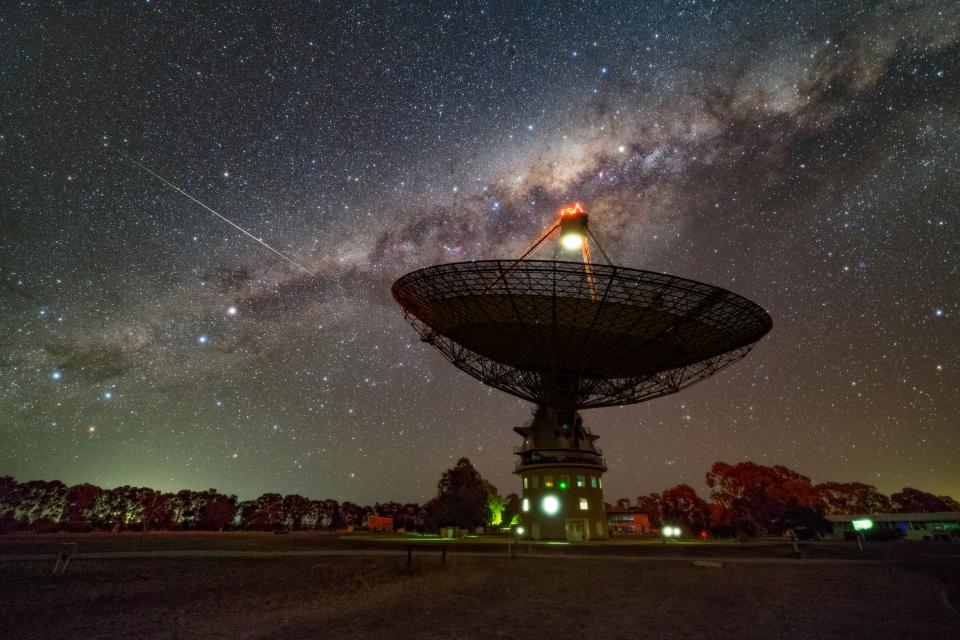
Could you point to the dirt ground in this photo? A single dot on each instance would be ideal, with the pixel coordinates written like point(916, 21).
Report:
point(475, 597)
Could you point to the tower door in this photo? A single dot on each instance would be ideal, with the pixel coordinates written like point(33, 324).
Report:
point(574, 530)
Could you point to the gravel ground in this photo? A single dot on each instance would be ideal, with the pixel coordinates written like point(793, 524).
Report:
point(475, 597)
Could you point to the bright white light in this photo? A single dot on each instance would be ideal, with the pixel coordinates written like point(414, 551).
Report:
point(572, 241)
point(526, 504)
point(519, 531)
point(232, 311)
point(56, 375)
point(550, 505)
point(202, 339)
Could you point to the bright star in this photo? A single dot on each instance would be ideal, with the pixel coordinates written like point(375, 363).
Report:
point(202, 339)
point(56, 375)
point(232, 311)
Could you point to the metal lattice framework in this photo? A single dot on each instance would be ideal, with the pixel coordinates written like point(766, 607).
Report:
point(578, 336)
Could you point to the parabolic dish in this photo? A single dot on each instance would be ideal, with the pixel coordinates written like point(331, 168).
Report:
point(574, 336)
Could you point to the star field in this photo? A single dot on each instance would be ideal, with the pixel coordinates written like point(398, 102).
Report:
point(805, 155)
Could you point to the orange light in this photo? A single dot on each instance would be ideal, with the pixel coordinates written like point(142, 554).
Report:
point(570, 211)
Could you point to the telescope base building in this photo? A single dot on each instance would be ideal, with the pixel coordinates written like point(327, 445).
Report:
point(562, 474)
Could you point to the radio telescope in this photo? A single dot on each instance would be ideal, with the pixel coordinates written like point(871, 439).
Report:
point(570, 335)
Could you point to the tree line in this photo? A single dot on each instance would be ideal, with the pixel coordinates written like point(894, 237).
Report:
point(750, 499)
point(745, 499)
point(464, 499)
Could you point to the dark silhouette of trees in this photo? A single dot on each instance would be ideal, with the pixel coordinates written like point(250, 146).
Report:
point(851, 497)
point(216, 510)
point(295, 509)
point(462, 497)
point(652, 505)
point(681, 505)
point(909, 500)
point(78, 510)
point(747, 498)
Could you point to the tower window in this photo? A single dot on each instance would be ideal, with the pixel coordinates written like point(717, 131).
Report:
point(526, 504)
point(564, 482)
point(600, 482)
point(548, 482)
point(581, 481)
point(593, 482)
point(584, 504)
point(536, 482)
point(526, 483)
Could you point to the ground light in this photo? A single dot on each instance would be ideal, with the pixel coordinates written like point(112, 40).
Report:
point(860, 527)
point(520, 531)
point(669, 531)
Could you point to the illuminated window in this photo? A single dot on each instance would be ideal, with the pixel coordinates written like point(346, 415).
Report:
point(564, 482)
point(526, 483)
point(548, 481)
point(593, 481)
point(600, 482)
point(581, 481)
point(526, 504)
point(536, 482)
point(584, 504)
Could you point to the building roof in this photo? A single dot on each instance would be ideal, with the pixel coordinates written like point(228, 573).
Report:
point(938, 516)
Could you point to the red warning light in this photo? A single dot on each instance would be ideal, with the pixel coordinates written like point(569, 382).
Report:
point(704, 534)
point(570, 211)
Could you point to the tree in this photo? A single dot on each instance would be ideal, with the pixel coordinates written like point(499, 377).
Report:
point(623, 504)
point(78, 509)
point(495, 507)
point(755, 496)
point(295, 509)
point(511, 509)
point(911, 500)
point(216, 510)
point(682, 505)
point(950, 503)
point(462, 497)
point(851, 498)
point(652, 505)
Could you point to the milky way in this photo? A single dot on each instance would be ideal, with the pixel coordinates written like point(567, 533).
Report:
point(805, 156)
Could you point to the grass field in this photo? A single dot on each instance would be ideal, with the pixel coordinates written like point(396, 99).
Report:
point(625, 591)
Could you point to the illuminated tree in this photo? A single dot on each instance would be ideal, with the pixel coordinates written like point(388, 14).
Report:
point(495, 507)
point(755, 496)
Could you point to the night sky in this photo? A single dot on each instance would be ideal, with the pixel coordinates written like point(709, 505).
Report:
point(804, 155)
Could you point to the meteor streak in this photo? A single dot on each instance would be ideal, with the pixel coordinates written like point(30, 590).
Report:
point(222, 217)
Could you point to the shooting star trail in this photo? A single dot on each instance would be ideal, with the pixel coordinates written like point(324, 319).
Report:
point(223, 217)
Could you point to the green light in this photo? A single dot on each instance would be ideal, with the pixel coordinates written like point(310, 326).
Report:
point(862, 525)
point(550, 505)
point(563, 484)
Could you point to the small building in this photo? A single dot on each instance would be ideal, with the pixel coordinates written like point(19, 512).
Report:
point(941, 525)
point(379, 523)
point(628, 522)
